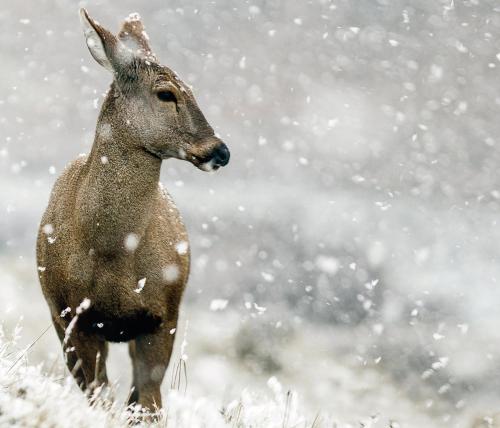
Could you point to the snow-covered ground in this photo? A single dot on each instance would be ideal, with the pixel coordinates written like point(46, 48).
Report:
point(220, 390)
point(235, 366)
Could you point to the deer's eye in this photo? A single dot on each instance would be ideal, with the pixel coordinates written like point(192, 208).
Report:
point(167, 96)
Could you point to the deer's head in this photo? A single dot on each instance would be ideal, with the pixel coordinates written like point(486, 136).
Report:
point(157, 109)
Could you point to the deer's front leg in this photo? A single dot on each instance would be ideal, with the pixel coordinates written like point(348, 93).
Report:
point(85, 357)
point(70, 357)
point(150, 357)
point(93, 353)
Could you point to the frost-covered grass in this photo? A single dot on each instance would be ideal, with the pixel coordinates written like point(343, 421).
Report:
point(34, 396)
point(239, 371)
point(45, 395)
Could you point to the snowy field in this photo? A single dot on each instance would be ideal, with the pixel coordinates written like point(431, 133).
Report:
point(345, 263)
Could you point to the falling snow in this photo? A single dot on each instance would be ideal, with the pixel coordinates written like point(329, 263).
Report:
point(350, 247)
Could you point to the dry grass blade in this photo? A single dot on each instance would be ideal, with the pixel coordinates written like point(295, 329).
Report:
point(179, 373)
point(28, 348)
point(286, 415)
point(316, 420)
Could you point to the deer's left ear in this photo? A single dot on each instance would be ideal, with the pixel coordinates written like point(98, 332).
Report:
point(134, 36)
point(106, 49)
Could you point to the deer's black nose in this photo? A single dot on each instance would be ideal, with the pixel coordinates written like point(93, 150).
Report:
point(221, 155)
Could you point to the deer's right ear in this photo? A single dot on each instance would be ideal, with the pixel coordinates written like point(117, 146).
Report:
point(106, 49)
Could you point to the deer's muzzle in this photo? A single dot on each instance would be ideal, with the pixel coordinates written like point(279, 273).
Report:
point(218, 155)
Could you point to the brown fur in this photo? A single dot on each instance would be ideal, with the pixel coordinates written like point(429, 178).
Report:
point(109, 226)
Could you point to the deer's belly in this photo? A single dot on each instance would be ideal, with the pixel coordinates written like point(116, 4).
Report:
point(118, 328)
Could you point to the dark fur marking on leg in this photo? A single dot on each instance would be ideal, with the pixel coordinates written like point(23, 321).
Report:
point(118, 329)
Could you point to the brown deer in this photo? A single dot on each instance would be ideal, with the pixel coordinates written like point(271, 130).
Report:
point(113, 254)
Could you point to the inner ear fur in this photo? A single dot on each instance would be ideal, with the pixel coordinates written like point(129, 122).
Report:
point(106, 49)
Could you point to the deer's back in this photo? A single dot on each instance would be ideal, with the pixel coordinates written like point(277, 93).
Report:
point(130, 293)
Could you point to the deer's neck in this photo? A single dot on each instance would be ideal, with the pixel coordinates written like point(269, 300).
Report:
point(117, 193)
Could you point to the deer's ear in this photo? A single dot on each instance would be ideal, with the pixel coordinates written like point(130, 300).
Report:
point(106, 49)
point(134, 36)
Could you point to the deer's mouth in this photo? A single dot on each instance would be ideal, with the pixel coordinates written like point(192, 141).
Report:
point(160, 154)
point(208, 166)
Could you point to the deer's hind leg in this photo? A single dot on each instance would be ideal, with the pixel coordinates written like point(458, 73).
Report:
point(85, 357)
point(150, 357)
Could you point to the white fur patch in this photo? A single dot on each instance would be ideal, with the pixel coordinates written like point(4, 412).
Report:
point(208, 166)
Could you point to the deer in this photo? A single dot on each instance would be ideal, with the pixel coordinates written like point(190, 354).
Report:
point(112, 250)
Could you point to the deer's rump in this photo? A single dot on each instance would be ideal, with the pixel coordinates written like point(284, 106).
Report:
point(118, 328)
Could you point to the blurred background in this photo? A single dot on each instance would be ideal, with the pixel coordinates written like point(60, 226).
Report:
point(350, 248)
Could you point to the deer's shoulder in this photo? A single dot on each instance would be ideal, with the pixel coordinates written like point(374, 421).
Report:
point(70, 173)
point(63, 192)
